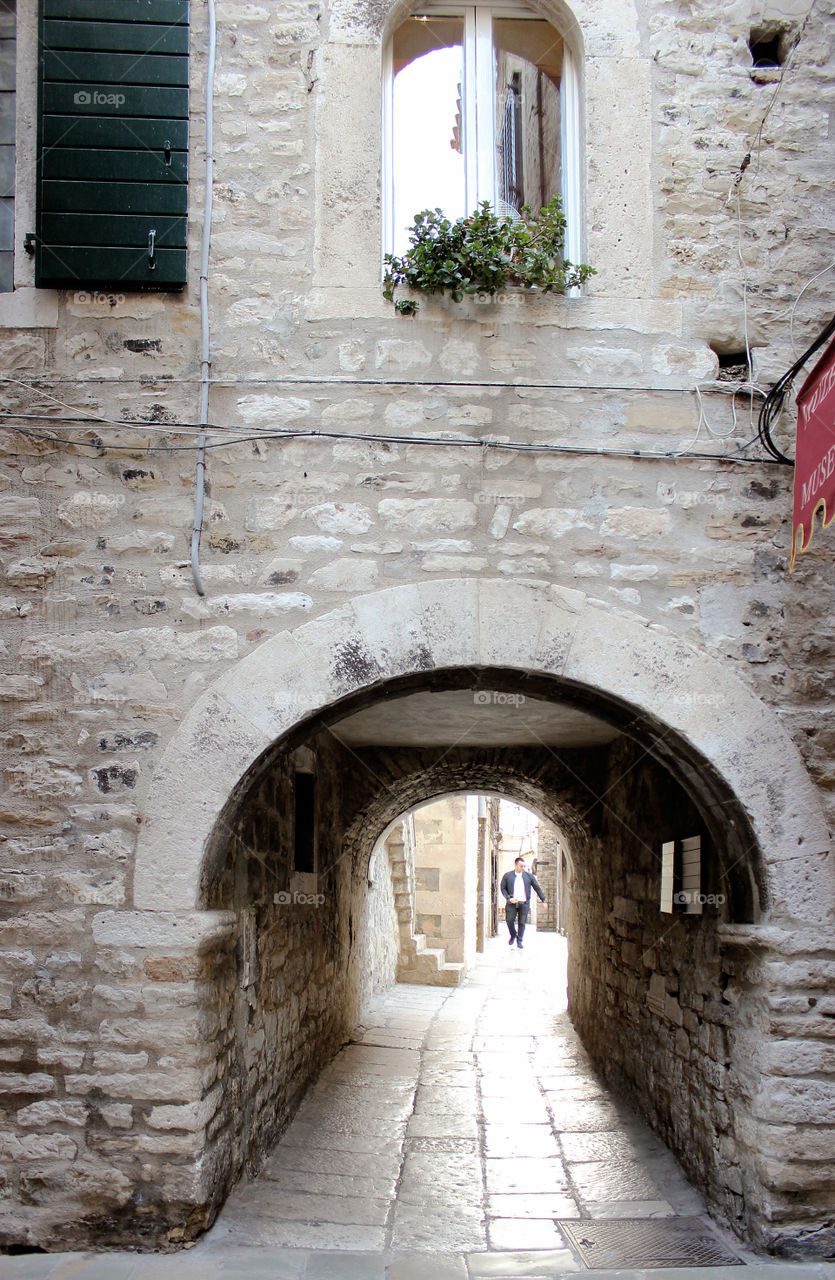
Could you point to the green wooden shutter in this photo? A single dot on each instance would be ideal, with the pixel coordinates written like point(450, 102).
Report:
point(113, 144)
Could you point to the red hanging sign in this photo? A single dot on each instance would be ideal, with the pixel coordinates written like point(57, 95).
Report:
point(814, 467)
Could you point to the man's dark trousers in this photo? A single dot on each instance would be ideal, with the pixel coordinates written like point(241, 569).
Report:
point(516, 915)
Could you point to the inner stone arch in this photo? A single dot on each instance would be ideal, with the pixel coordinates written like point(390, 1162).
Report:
point(446, 854)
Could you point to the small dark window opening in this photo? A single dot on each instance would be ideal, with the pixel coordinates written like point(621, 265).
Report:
point(767, 47)
point(733, 366)
point(304, 849)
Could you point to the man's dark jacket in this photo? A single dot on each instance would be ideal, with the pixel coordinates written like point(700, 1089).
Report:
point(506, 886)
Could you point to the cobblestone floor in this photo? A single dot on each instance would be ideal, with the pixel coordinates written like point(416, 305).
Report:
point(442, 1145)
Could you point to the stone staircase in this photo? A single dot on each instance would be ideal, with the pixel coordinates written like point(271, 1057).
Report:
point(416, 962)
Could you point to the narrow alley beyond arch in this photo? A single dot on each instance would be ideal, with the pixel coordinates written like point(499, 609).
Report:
point(460, 1121)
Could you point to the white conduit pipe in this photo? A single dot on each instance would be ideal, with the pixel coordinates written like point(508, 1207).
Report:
point(205, 348)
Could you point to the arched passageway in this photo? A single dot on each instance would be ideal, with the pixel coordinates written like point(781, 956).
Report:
point(463, 1120)
point(321, 937)
point(302, 759)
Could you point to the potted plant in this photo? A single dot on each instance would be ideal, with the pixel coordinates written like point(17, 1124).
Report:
point(483, 254)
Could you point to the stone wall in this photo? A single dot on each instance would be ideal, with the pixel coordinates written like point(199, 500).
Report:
point(557, 443)
point(441, 895)
point(152, 1046)
point(548, 856)
point(311, 949)
point(671, 1008)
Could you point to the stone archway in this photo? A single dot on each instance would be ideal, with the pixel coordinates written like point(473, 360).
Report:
point(315, 674)
point(483, 624)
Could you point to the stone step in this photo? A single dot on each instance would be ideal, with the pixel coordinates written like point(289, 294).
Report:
point(440, 975)
point(451, 975)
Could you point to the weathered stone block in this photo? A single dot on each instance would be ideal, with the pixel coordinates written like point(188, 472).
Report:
point(21, 1082)
point(38, 1114)
point(144, 1086)
point(417, 515)
point(192, 1117)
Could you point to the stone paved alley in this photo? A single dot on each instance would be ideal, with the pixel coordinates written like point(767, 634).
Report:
point(443, 1144)
point(464, 1119)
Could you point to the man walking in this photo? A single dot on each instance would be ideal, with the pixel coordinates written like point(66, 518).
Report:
point(516, 888)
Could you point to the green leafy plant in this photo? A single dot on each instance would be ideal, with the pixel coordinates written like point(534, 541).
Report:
point(483, 254)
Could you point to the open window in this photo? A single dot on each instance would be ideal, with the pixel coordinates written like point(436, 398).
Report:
point(482, 103)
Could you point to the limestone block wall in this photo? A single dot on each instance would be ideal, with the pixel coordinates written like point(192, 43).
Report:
point(548, 856)
point(147, 1064)
point(440, 873)
point(311, 949)
point(673, 1010)
point(557, 443)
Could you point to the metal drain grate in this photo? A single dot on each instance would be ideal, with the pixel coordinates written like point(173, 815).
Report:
point(646, 1242)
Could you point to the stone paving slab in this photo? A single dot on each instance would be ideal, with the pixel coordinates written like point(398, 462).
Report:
point(326, 1160)
point(257, 1206)
point(415, 1227)
point(553, 1205)
point(613, 1179)
point(264, 1263)
point(521, 1140)
point(523, 1233)
point(630, 1209)
point(312, 1136)
point(525, 1174)
point(331, 1184)
point(346, 1266)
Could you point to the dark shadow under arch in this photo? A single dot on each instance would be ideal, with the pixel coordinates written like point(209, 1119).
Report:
point(726, 825)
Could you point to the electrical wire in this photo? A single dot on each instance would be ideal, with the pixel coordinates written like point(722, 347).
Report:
point(458, 442)
point(328, 380)
point(776, 396)
point(815, 277)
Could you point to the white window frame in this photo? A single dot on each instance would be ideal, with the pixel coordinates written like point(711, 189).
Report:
point(480, 171)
